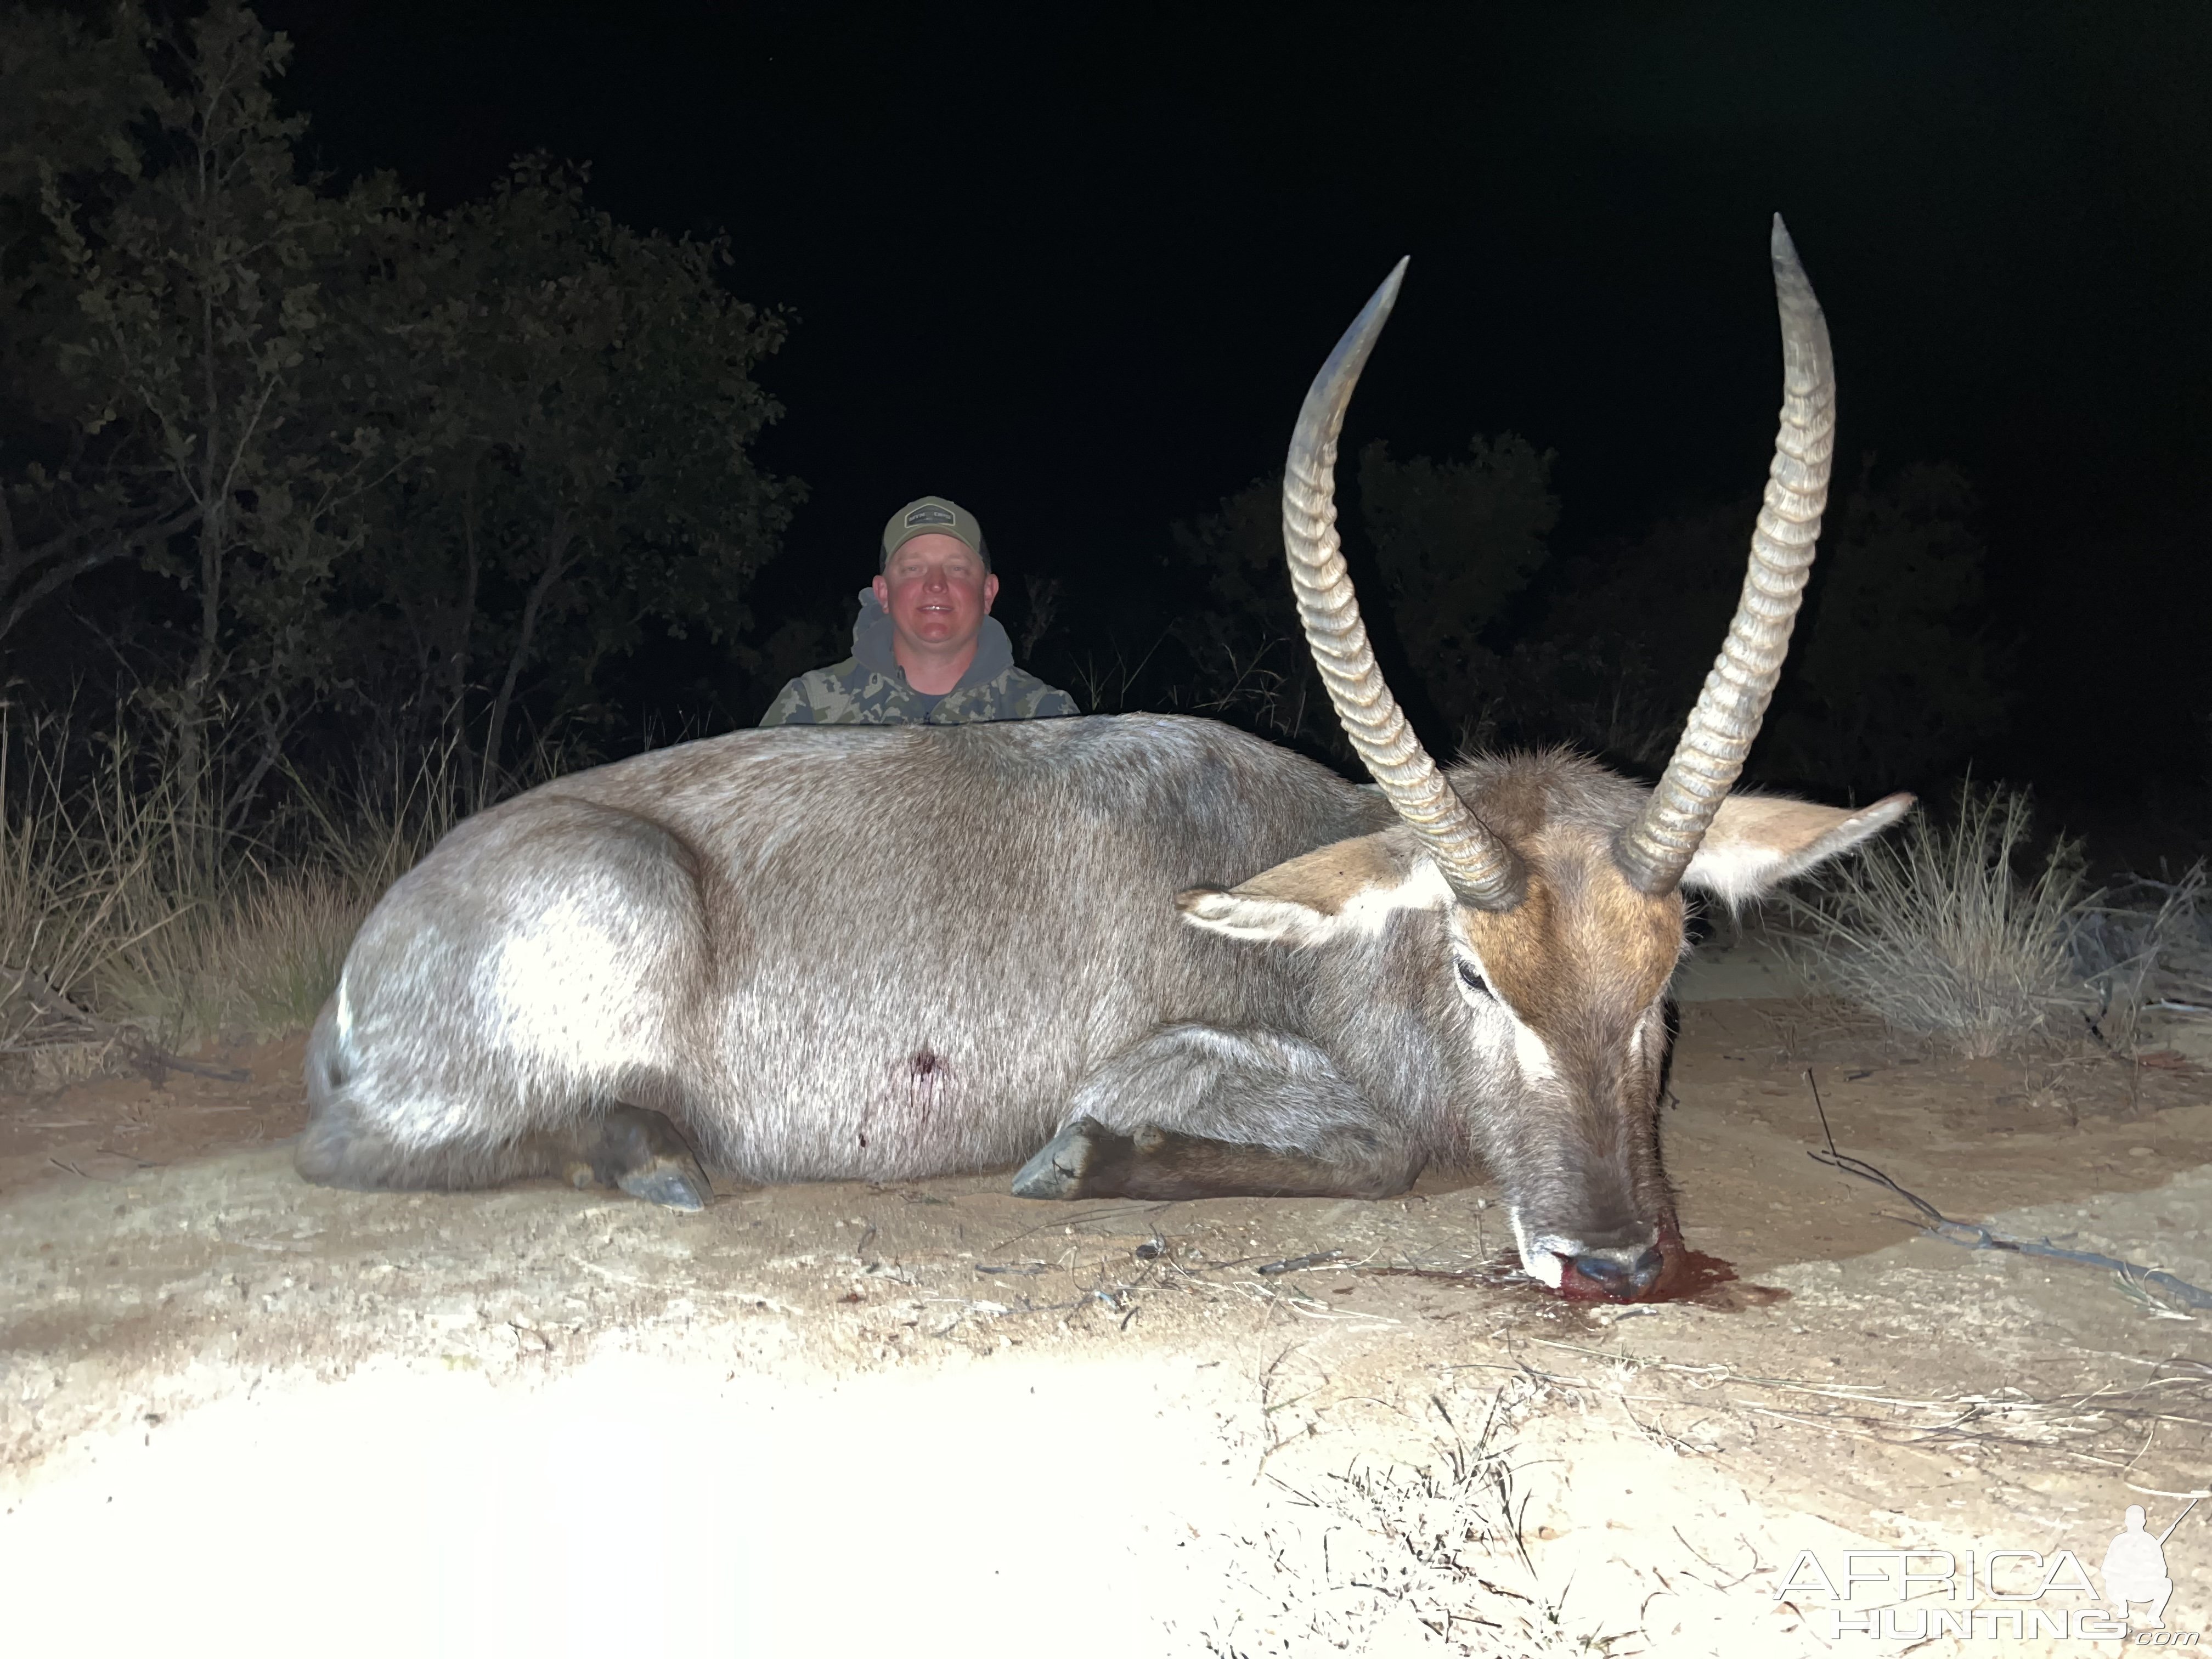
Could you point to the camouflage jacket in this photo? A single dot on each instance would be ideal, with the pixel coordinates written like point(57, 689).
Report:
point(869, 687)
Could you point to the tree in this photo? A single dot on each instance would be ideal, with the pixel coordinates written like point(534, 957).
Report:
point(589, 409)
point(407, 472)
point(206, 355)
point(1626, 634)
point(73, 86)
point(1452, 542)
point(1891, 678)
point(1900, 679)
point(1247, 650)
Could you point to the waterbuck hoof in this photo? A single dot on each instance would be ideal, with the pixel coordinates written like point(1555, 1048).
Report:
point(1058, 1170)
point(670, 1187)
point(642, 1153)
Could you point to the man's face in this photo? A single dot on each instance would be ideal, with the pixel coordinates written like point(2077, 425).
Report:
point(937, 592)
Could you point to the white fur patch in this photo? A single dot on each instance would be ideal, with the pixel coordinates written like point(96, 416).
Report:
point(1370, 909)
point(1532, 1053)
point(1286, 921)
point(562, 987)
point(1265, 921)
point(344, 1021)
point(1757, 841)
point(1539, 1258)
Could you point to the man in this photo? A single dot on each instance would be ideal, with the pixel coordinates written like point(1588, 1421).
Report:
point(926, 651)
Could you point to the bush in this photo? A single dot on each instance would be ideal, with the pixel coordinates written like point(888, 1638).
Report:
point(1939, 932)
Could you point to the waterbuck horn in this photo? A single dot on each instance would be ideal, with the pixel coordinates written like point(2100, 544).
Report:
point(1482, 870)
point(1654, 851)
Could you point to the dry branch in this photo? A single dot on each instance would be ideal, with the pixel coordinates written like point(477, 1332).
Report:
point(65, 1022)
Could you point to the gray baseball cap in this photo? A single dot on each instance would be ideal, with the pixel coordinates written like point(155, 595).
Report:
point(932, 515)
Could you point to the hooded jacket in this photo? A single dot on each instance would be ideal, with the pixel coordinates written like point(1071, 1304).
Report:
point(869, 687)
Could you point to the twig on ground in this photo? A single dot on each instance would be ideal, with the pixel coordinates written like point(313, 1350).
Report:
point(1294, 1264)
point(1974, 1238)
point(148, 1055)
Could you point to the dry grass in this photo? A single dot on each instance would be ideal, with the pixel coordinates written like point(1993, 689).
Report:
point(1390, 1556)
point(254, 961)
point(87, 876)
point(2102, 1424)
point(2146, 944)
point(1940, 933)
point(107, 900)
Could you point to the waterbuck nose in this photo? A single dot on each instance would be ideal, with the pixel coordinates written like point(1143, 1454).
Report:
point(1622, 1274)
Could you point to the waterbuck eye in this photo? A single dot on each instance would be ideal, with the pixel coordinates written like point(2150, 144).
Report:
point(1473, 981)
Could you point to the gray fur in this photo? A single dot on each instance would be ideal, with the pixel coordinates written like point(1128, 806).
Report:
point(741, 932)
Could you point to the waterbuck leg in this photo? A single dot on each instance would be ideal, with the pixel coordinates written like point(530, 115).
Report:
point(638, 1150)
point(1086, 1159)
point(1199, 1111)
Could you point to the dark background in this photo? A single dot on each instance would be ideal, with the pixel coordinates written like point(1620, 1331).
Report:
point(1073, 266)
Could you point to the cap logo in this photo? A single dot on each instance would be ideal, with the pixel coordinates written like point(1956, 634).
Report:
point(927, 515)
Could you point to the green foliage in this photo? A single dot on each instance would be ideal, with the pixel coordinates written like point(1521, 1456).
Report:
point(206, 285)
point(385, 479)
point(414, 472)
point(587, 406)
point(1623, 639)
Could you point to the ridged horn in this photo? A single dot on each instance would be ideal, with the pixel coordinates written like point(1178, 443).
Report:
point(1654, 851)
point(1482, 870)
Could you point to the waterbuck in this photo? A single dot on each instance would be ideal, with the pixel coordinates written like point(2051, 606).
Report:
point(1184, 961)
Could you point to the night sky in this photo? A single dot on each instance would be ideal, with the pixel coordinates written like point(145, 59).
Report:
point(1073, 266)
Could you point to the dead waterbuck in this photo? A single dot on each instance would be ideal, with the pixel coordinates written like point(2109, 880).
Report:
point(1184, 961)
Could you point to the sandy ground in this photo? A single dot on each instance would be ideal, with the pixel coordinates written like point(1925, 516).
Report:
point(240, 1413)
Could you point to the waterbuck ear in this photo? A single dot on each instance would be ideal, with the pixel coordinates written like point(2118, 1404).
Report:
point(1759, 842)
point(1348, 888)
